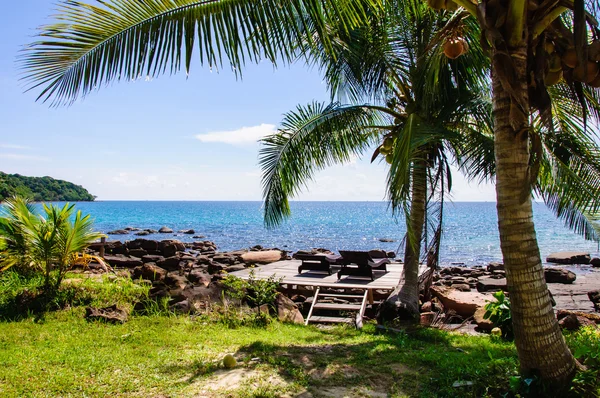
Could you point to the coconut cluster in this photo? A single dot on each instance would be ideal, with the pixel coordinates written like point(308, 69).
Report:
point(386, 149)
point(565, 62)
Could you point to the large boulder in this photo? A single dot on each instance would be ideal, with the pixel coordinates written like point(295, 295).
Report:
point(463, 303)
point(170, 247)
point(139, 253)
point(573, 320)
point(165, 230)
point(170, 263)
point(595, 262)
point(112, 314)
point(569, 258)
point(145, 244)
point(594, 297)
point(559, 275)
point(120, 260)
point(150, 272)
point(488, 284)
point(263, 257)
point(152, 258)
point(495, 266)
point(482, 323)
point(287, 310)
point(118, 232)
point(199, 277)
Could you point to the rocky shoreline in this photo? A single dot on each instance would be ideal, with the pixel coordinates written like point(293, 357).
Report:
point(189, 275)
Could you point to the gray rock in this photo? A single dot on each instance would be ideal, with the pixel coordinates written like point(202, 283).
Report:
point(595, 262)
point(495, 266)
point(569, 258)
point(139, 253)
point(488, 284)
point(169, 263)
point(142, 233)
point(112, 314)
point(165, 230)
point(120, 260)
point(151, 272)
point(559, 275)
point(287, 310)
point(118, 232)
point(152, 258)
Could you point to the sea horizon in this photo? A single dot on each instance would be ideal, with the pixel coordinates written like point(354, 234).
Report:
point(470, 228)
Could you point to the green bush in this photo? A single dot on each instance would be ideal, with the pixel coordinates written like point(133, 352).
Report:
point(253, 291)
point(499, 313)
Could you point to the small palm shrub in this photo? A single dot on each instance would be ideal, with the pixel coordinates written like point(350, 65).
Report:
point(49, 243)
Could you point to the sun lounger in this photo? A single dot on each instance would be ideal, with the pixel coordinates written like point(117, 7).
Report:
point(317, 262)
point(357, 263)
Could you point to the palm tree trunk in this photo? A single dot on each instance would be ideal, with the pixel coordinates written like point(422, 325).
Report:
point(403, 303)
point(541, 347)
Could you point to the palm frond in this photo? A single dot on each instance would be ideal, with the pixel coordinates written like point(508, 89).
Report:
point(311, 138)
point(91, 45)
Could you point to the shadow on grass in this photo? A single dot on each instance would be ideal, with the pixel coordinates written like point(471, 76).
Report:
point(422, 362)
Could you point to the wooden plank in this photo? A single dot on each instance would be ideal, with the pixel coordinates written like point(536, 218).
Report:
point(315, 298)
point(331, 319)
point(336, 306)
point(340, 295)
point(361, 313)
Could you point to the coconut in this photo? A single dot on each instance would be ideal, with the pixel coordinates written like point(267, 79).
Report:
point(596, 82)
point(552, 78)
point(389, 158)
point(586, 76)
point(383, 150)
point(497, 332)
point(229, 361)
point(454, 48)
point(569, 58)
point(436, 4)
point(387, 143)
point(554, 64)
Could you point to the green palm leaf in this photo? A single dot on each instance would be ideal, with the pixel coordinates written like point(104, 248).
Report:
point(92, 45)
point(312, 138)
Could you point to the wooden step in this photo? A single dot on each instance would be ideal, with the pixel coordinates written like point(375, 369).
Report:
point(331, 319)
point(337, 306)
point(339, 295)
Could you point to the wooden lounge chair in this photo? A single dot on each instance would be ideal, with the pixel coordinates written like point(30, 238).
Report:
point(358, 263)
point(317, 262)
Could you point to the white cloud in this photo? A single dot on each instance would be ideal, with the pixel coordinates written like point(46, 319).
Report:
point(13, 146)
point(18, 156)
point(244, 135)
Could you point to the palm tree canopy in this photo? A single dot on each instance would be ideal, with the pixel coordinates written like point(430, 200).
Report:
point(94, 44)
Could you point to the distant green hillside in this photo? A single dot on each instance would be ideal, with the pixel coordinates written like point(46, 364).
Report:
point(41, 188)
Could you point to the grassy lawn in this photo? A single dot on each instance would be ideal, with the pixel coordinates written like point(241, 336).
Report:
point(177, 356)
point(161, 355)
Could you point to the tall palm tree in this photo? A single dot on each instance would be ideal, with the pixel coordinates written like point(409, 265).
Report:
point(418, 130)
point(128, 39)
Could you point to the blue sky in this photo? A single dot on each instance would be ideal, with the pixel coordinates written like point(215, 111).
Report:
point(171, 138)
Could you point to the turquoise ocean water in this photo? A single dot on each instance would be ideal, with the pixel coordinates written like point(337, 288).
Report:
point(470, 232)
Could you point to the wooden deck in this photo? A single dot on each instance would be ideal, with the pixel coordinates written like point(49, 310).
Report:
point(288, 270)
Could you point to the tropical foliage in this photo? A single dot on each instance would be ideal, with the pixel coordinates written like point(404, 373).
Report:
point(41, 189)
point(49, 243)
point(532, 46)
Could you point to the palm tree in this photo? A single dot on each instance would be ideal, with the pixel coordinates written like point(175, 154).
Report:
point(49, 243)
point(418, 130)
point(128, 39)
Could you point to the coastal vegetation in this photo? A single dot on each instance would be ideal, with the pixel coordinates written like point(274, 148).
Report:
point(49, 244)
point(93, 45)
point(160, 353)
point(41, 189)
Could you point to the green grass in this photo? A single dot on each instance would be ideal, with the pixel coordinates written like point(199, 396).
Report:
point(157, 355)
point(62, 354)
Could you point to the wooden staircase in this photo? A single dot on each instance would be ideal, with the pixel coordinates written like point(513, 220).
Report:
point(358, 307)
